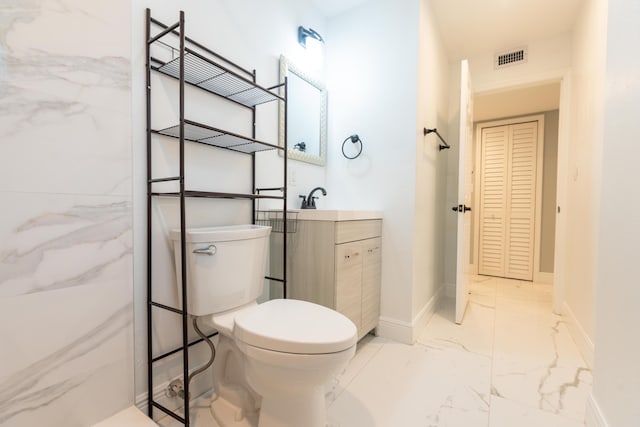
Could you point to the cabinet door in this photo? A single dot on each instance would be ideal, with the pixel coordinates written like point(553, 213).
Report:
point(349, 281)
point(371, 272)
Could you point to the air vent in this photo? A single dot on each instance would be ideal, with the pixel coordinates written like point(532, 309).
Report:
point(510, 57)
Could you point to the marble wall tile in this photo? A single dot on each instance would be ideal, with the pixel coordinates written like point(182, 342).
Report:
point(66, 297)
point(65, 107)
point(65, 309)
point(52, 241)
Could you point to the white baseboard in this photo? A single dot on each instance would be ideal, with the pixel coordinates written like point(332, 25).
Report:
point(394, 329)
point(405, 332)
point(593, 415)
point(582, 340)
point(543, 277)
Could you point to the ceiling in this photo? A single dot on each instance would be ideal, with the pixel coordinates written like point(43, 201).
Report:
point(473, 27)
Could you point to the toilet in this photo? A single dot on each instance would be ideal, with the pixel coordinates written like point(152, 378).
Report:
point(272, 359)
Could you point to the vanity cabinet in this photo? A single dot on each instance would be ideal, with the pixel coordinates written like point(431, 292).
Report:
point(336, 264)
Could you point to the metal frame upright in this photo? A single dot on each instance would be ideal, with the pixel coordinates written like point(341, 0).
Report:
point(222, 77)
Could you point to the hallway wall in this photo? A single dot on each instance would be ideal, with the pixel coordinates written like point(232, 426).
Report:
point(581, 210)
point(616, 388)
point(431, 165)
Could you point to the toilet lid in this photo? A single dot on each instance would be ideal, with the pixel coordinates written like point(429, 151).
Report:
point(293, 326)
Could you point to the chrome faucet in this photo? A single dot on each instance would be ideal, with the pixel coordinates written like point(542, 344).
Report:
point(309, 202)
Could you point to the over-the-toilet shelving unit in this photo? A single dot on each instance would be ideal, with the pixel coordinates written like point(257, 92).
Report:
point(195, 65)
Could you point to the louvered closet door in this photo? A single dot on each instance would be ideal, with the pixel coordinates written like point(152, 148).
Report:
point(493, 201)
point(507, 194)
point(521, 200)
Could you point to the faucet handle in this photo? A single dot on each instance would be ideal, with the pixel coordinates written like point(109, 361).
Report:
point(312, 202)
point(304, 201)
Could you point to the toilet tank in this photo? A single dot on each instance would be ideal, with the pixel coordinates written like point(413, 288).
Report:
point(225, 266)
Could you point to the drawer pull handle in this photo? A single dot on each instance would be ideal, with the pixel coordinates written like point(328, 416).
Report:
point(355, 254)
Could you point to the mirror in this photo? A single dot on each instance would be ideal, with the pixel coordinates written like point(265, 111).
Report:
point(306, 115)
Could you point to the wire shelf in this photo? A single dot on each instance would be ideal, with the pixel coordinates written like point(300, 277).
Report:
point(214, 78)
point(275, 219)
point(204, 134)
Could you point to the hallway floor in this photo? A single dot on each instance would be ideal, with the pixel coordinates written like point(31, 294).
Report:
point(511, 362)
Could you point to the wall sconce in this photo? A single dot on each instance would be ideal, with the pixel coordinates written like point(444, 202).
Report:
point(304, 34)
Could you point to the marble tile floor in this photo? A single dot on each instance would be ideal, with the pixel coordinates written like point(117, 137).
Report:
point(511, 362)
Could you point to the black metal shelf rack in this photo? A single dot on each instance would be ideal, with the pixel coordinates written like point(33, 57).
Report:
point(196, 65)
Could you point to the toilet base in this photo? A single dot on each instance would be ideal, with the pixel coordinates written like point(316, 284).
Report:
point(227, 414)
point(306, 410)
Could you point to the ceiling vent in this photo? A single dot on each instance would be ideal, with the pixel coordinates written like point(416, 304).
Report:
point(510, 57)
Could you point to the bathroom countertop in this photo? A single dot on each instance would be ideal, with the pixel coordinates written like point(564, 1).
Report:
point(334, 214)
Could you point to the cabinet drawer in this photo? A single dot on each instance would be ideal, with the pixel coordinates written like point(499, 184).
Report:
point(349, 231)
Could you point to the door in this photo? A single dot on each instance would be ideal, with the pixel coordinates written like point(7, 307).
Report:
point(371, 273)
point(508, 200)
point(493, 200)
point(349, 281)
point(464, 193)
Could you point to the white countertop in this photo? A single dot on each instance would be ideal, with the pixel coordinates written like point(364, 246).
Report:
point(334, 215)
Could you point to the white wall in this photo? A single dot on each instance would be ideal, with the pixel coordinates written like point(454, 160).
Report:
point(388, 79)
point(431, 164)
point(66, 319)
point(372, 83)
point(583, 168)
point(616, 386)
point(547, 59)
point(252, 34)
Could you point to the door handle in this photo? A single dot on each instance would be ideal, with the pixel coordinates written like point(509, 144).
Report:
point(461, 208)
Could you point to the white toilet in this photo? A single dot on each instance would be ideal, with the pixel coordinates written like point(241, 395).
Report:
point(272, 359)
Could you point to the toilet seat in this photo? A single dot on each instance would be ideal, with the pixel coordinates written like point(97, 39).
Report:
point(294, 326)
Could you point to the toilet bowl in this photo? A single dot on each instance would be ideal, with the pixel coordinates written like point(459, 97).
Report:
point(273, 359)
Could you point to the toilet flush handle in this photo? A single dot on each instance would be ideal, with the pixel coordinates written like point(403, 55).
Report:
point(209, 250)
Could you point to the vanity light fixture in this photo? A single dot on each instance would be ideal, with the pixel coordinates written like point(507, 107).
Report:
point(304, 33)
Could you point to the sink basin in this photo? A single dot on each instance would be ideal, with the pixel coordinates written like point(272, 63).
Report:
point(334, 215)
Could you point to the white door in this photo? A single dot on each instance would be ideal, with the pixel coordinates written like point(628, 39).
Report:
point(464, 193)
